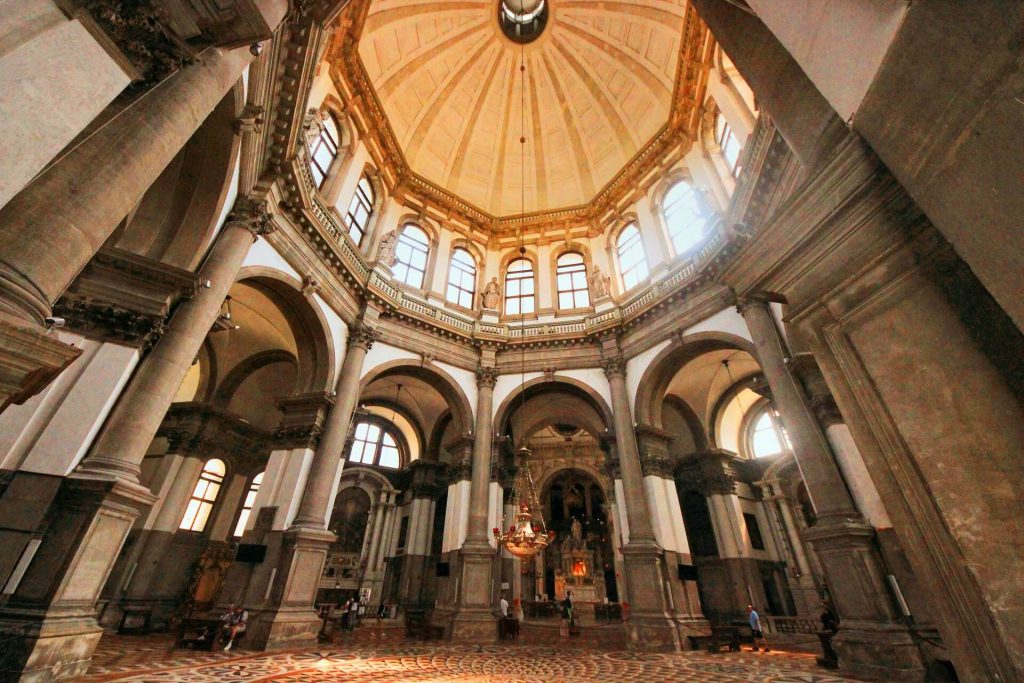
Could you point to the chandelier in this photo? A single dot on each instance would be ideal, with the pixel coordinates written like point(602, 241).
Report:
point(527, 536)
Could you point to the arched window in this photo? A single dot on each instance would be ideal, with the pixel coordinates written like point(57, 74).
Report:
point(728, 143)
point(359, 210)
point(375, 444)
point(203, 496)
point(411, 256)
point(519, 288)
point(767, 437)
point(323, 149)
point(250, 498)
point(461, 278)
point(632, 260)
point(685, 217)
point(571, 281)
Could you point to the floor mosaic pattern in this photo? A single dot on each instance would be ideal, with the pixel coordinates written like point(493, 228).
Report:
point(150, 660)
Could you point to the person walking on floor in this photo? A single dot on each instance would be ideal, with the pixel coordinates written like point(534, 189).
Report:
point(755, 626)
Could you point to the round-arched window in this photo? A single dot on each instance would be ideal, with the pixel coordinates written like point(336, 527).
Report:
point(767, 437)
point(411, 256)
point(685, 216)
point(632, 259)
point(375, 444)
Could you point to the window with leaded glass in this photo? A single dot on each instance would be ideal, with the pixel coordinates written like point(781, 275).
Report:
point(204, 495)
point(411, 256)
point(374, 444)
point(632, 260)
point(359, 210)
point(571, 281)
point(323, 149)
point(520, 291)
point(461, 278)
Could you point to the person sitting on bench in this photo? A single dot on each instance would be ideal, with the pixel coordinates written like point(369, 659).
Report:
point(234, 624)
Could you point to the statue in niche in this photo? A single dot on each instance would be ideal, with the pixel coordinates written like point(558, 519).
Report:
point(386, 251)
point(600, 284)
point(492, 294)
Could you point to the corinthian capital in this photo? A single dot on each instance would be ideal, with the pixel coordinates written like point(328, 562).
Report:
point(614, 367)
point(486, 377)
point(251, 214)
point(361, 335)
point(748, 301)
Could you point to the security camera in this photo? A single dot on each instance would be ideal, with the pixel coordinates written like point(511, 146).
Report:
point(255, 49)
point(53, 323)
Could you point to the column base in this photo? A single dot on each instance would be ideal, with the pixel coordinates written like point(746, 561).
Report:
point(53, 608)
point(50, 648)
point(29, 360)
point(879, 652)
point(649, 626)
point(473, 619)
point(289, 620)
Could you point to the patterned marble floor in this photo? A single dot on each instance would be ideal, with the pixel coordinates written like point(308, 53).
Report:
point(150, 659)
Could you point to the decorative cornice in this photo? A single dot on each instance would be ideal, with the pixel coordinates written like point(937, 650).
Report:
point(108, 322)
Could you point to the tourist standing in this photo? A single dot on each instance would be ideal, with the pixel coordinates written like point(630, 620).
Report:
point(755, 627)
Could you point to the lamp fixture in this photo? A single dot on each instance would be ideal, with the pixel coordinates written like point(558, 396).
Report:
point(528, 534)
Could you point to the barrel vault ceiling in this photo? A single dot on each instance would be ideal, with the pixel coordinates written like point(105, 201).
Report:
point(598, 86)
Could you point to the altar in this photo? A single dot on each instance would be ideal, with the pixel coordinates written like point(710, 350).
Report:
point(577, 574)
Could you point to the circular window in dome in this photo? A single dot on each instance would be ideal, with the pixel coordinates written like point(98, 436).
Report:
point(522, 20)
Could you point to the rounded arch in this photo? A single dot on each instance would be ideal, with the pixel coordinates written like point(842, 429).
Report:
point(479, 258)
point(548, 478)
point(537, 387)
point(446, 385)
point(348, 133)
point(226, 389)
point(512, 254)
point(368, 479)
point(660, 372)
point(315, 359)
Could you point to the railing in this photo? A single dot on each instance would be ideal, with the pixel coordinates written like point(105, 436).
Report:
point(792, 625)
point(381, 285)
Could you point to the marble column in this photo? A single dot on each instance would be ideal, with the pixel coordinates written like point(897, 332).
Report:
point(649, 625)
point(134, 422)
point(843, 541)
point(99, 502)
point(289, 619)
point(45, 243)
point(474, 619)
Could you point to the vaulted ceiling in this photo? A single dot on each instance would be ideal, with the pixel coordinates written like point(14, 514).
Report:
point(598, 86)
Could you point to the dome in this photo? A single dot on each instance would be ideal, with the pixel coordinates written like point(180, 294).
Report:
point(599, 85)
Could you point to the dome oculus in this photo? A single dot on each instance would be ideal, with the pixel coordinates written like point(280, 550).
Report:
point(522, 21)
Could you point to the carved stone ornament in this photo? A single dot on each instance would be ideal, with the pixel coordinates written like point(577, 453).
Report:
point(110, 323)
point(310, 285)
point(657, 465)
point(719, 482)
point(298, 436)
point(486, 377)
point(614, 367)
point(492, 294)
point(135, 28)
point(600, 284)
point(386, 250)
point(251, 214)
point(362, 336)
point(460, 471)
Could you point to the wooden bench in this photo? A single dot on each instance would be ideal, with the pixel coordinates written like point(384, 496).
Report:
point(720, 637)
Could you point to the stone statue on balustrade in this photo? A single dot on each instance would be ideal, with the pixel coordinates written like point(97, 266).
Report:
point(386, 250)
point(600, 284)
point(492, 294)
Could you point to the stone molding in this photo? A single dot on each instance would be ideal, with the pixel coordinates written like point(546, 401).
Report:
point(109, 322)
